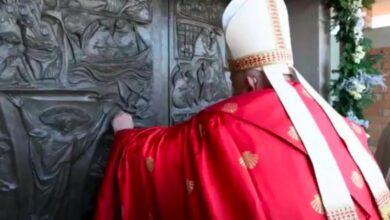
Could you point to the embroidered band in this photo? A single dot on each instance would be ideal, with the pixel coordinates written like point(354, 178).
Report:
point(346, 213)
point(262, 59)
point(384, 205)
point(277, 30)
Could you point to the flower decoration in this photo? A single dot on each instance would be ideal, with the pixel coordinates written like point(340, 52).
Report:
point(351, 90)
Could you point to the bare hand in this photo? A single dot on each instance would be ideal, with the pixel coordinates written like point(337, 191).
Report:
point(122, 121)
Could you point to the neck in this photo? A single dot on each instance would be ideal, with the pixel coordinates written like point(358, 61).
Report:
point(262, 83)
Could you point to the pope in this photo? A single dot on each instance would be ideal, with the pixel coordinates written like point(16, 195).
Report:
point(275, 150)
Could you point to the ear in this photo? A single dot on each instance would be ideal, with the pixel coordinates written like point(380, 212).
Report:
point(251, 82)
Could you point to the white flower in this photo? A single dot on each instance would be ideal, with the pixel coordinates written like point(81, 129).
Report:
point(359, 54)
point(359, 49)
point(359, 25)
point(360, 88)
point(356, 89)
point(357, 58)
point(355, 95)
point(358, 30)
point(335, 30)
point(358, 36)
point(360, 13)
point(334, 98)
point(357, 4)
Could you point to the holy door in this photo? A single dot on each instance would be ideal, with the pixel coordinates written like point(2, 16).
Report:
point(68, 66)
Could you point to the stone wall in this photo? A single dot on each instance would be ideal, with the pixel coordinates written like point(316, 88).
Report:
point(379, 113)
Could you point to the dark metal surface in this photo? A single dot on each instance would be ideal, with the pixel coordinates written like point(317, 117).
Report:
point(66, 67)
point(197, 68)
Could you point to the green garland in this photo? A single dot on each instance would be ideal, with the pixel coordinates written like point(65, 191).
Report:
point(352, 90)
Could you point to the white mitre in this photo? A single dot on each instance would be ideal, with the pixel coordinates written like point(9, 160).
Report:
point(257, 34)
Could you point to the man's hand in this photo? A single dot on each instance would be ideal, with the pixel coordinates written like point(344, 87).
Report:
point(122, 121)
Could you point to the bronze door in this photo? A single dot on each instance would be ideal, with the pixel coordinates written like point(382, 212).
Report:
point(66, 67)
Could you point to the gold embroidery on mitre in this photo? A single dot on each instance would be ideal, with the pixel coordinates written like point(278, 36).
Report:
point(356, 128)
point(276, 25)
point(260, 59)
point(149, 162)
point(292, 132)
point(249, 160)
point(357, 179)
point(316, 204)
point(383, 203)
point(281, 54)
point(230, 107)
point(190, 185)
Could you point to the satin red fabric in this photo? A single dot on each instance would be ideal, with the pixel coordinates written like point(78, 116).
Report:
point(239, 159)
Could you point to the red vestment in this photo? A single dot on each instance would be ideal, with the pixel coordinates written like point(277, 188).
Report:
point(239, 159)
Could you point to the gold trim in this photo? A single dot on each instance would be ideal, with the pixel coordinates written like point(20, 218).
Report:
point(277, 29)
point(347, 213)
point(384, 205)
point(261, 59)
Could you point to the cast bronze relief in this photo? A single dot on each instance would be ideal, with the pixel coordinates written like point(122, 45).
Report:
point(66, 67)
